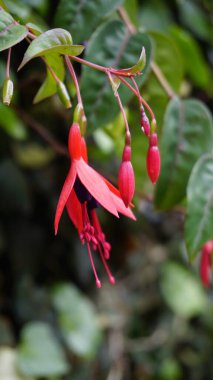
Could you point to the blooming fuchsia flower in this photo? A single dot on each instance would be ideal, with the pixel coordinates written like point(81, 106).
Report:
point(84, 190)
point(205, 263)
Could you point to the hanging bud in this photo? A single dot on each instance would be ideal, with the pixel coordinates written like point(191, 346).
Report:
point(145, 126)
point(63, 94)
point(153, 158)
point(205, 263)
point(7, 91)
point(126, 178)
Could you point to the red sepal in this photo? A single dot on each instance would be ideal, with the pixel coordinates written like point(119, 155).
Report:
point(74, 142)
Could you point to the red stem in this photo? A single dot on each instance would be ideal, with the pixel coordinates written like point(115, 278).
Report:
point(8, 64)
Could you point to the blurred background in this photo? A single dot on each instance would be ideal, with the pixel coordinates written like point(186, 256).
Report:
point(157, 321)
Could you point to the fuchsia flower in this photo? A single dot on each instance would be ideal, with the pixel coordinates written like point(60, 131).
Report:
point(84, 190)
point(205, 262)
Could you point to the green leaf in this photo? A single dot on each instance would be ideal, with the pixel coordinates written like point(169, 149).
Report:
point(103, 49)
point(57, 41)
point(49, 87)
point(2, 5)
point(155, 15)
point(10, 33)
point(187, 134)
point(199, 217)
point(168, 57)
point(182, 291)
point(11, 124)
point(89, 14)
point(194, 61)
point(39, 353)
point(77, 320)
point(193, 16)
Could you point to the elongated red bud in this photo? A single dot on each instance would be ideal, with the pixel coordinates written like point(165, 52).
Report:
point(205, 263)
point(126, 178)
point(153, 159)
point(74, 142)
point(144, 121)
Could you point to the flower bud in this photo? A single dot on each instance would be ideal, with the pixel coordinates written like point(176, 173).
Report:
point(153, 159)
point(144, 121)
point(63, 94)
point(126, 178)
point(205, 263)
point(7, 91)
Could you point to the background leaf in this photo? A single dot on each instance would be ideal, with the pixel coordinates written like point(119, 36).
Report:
point(10, 122)
point(182, 290)
point(39, 353)
point(11, 34)
point(194, 61)
point(199, 218)
point(77, 320)
point(187, 133)
point(103, 50)
point(89, 14)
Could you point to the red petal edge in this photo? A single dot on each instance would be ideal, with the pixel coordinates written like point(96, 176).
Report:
point(96, 186)
point(65, 192)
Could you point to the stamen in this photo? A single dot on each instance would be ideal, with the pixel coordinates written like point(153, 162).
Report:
point(98, 282)
point(111, 278)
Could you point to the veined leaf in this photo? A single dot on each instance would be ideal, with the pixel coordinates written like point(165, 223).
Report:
point(57, 41)
point(89, 14)
point(199, 217)
point(49, 87)
point(187, 134)
point(103, 49)
point(11, 33)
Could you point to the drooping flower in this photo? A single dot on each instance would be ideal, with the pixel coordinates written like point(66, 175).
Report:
point(205, 263)
point(85, 190)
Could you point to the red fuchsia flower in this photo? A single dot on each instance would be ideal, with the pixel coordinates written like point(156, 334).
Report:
point(153, 158)
point(205, 263)
point(84, 190)
point(126, 178)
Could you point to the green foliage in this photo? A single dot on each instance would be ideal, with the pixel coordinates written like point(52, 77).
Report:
point(183, 142)
point(11, 34)
point(55, 41)
point(182, 291)
point(103, 50)
point(89, 14)
point(49, 86)
point(199, 219)
point(11, 123)
point(156, 322)
point(39, 352)
point(77, 320)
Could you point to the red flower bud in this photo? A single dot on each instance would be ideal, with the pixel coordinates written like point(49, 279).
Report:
point(205, 262)
point(153, 159)
point(145, 126)
point(126, 178)
point(74, 142)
